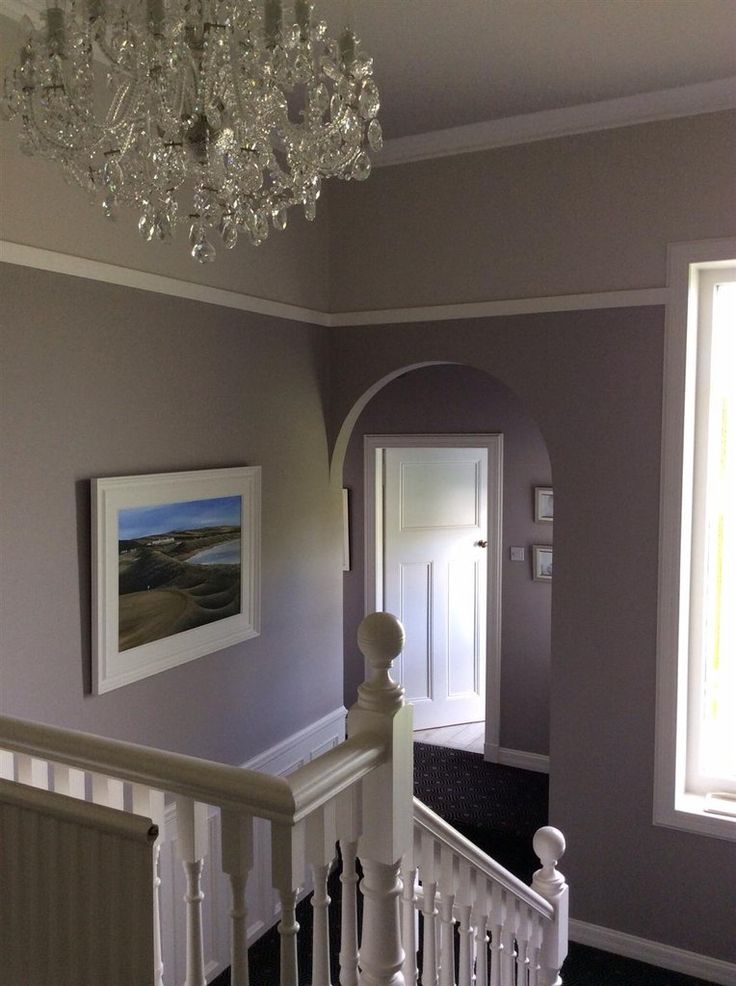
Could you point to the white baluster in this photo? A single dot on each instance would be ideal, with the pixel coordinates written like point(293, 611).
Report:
point(7, 765)
point(463, 907)
point(320, 927)
point(349, 916)
point(69, 781)
point(497, 912)
point(381, 954)
point(465, 969)
point(408, 920)
point(191, 823)
point(287, 867)
point(481, 950)
point(508, 933)
point(108, 791)
point(237, 862)
point(534, 947)
point(321, 837)
point(349, 813)
point(32, 771)
point(429, 938)
point(447, 940)
point(150, 804)
point(549, 845)
point(288, 929)
point(523, 933)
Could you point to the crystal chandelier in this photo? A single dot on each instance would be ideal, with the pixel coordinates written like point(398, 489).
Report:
point(239, 105)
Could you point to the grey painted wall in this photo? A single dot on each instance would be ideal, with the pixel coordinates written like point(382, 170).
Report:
point(98, 380)
point(592, 380)
point(593, 212)
point(456, 399)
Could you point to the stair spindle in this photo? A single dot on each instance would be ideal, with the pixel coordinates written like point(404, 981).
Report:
point(149, 803)
point(481, 951)
point(429, 938)
point(408, 921)
point(349, 819)
point(496, 925)
point(191, 817)
point(237, 862)
point(288, 929)
point(465, 970)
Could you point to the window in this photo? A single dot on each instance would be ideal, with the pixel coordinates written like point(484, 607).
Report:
point(695, 770)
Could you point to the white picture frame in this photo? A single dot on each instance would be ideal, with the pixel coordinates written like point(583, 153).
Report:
point(542, 556)
point(148, 592)
point(544, 504)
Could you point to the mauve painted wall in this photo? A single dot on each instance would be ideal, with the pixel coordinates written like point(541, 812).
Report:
point(590, 212)
point(592, 381)
point(457, 399)
point(98, 380)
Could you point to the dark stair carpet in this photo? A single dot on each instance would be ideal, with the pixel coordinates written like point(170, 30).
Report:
point(499, 808)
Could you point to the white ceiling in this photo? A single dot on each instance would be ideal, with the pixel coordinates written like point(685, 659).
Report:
point(442, 64)
point(448, 63)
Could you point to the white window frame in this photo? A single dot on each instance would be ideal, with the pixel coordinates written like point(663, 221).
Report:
point(674, 805)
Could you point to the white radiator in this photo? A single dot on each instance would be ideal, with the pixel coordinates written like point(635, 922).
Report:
point(76, 892)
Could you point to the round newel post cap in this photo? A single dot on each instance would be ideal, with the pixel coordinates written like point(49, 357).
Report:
point(549, 846)
point(380, 639)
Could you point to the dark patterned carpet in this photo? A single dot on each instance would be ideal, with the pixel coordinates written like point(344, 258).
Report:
point(499, 808)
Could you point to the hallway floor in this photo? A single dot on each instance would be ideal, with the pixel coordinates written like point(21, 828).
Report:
point(468, 736)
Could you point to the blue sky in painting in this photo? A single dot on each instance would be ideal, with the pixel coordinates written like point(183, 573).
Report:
point(135, 522)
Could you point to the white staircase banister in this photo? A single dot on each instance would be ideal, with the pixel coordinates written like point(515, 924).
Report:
point(445, 833)
point(320, 780)
point(202, 780)
point(281, 799)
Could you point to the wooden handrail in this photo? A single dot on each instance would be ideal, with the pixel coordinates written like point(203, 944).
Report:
point(443, 832)
point(282, 799)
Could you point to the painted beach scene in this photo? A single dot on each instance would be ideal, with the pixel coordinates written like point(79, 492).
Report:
point(179, 567)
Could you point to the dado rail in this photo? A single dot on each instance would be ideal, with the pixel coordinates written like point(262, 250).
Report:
point(81, 828)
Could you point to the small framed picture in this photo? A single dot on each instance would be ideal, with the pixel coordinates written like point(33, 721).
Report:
point(542, 562)
point(544, 504)
point(345, 531)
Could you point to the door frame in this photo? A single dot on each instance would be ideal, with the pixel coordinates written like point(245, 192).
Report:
point(373, 531)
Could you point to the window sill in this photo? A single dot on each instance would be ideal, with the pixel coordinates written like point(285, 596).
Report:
point(689, 814)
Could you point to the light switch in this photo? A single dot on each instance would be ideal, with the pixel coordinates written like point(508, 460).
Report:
point(517, 554)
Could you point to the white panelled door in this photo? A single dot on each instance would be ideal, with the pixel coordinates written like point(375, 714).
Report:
point(435, 552)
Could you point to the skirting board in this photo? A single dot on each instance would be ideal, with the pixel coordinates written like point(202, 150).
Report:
point(655, 953)
point(516, 758)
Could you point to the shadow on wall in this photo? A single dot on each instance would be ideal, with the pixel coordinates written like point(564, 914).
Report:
point(451, 398)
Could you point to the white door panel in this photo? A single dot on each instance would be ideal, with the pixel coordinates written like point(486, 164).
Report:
point(435, 577)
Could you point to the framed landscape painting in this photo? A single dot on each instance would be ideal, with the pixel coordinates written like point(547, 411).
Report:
point(175, 569)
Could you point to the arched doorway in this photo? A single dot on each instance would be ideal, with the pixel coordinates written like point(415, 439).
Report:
point(457, 399)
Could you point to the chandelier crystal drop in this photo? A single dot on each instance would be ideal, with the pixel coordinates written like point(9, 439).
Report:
point(241, 106)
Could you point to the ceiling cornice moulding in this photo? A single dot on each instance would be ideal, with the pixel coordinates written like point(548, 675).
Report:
point(95, 270)
point(665, 104)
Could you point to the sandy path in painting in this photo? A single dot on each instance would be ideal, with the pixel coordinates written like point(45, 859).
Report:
point(154, 614)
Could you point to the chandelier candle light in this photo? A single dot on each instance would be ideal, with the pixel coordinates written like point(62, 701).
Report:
point(242, 104)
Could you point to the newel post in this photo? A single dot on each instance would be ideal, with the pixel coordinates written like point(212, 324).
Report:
point(549, 845)
point(388, 809)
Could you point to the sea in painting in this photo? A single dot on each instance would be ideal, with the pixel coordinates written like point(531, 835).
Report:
point(179, 567)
